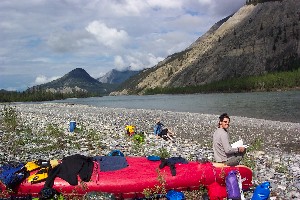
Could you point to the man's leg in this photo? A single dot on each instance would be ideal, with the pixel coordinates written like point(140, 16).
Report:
point(234, 160)
point(170, 138)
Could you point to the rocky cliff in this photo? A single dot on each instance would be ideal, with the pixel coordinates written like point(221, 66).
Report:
point(257, 39)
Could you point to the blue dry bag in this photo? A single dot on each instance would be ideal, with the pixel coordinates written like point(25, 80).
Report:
point(262, 191)
point(174, 195)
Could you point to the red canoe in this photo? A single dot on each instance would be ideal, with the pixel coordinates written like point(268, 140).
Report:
point(141, 174)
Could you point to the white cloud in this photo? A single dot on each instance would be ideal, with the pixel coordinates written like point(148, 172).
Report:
point(169, 4)
point(53, 37)
point(110, 37)
point(41, 79)
point(68, 41)
point(119, 63)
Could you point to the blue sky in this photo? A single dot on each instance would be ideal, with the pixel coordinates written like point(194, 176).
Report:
point(41, 40)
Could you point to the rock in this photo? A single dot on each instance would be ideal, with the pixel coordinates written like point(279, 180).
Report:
point(102, 130)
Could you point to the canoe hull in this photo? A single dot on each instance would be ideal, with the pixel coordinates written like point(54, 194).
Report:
point(141, 174)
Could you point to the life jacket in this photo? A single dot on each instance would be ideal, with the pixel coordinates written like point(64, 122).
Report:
point(40, 175)
point(130, 130)
point(43, 167)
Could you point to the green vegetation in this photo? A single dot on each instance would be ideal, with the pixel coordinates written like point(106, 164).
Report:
point(163, 153)
point(249, 159)
point(267, 82)
point(10, 118)
point(139, 138)
point(157, 189)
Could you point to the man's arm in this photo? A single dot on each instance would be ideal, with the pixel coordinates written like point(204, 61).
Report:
point(227, 147)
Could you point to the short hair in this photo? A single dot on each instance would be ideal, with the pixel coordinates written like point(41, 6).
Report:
point(224, 115)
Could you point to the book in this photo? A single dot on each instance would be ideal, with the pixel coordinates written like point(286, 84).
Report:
point(239, 143)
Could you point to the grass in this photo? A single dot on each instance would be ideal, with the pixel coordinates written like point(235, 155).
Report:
point(249, 159)
point(10, 118)
point(157, 189)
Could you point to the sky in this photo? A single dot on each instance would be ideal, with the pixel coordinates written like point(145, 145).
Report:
point(42, 40)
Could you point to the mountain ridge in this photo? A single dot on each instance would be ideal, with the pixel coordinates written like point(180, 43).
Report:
point(117, 76)
point(77, 80)
point(250, 42)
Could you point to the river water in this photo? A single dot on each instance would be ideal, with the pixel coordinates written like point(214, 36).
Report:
point(277, 106)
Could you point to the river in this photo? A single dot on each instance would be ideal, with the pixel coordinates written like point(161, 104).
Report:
point(281, 106)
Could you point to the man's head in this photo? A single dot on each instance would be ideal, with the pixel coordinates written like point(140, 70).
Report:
point(224, 121)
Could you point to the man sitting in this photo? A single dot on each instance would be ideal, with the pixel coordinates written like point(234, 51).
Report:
point(223, 152)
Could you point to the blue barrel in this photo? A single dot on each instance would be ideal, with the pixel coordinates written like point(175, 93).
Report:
point(72, 126)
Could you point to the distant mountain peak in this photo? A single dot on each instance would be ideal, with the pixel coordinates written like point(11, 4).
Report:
point(116, 76)
point(76, 80)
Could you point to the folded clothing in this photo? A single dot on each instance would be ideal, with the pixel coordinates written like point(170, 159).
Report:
point(111, 163)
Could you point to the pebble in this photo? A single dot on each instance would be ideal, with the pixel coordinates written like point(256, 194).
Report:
point(43, 133)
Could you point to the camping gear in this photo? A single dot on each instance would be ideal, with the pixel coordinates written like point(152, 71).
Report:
point(39, 176)
point(12, 174)
point(262, 191)
point(232, 186)
point(174, 195)
point(140, 174)
point(72, 126)
point(216, 191)
point(130, 130)
point(115, 153)
point(153, 158)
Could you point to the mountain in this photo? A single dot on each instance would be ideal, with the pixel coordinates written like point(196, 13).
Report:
point(259, 38)
point(77, 80)
point(116, 76)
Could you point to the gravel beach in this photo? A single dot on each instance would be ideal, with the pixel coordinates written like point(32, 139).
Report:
point(44, 134)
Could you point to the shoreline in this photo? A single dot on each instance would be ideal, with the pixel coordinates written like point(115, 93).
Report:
point(104, 130)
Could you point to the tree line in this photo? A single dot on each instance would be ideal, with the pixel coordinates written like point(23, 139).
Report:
point(41, 95)
point(268, 82)
point(254, 2)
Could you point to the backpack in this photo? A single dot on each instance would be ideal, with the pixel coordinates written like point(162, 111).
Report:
point(12, 174)
point(232, 185)
point(115, 153)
